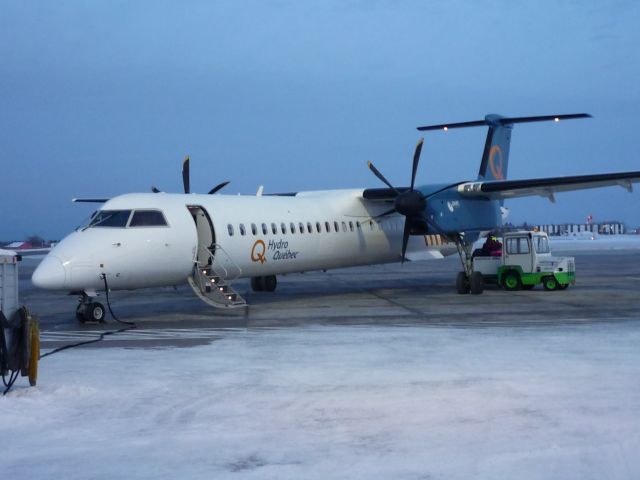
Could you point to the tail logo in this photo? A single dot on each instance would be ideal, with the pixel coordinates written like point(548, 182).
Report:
point(495, 162)
point(257, 252)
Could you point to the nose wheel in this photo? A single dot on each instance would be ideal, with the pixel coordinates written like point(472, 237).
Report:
point(89, 310)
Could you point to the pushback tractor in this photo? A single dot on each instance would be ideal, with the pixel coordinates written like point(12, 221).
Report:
point(519, 261)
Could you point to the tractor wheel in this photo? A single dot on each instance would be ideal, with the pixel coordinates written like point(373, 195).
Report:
point(476, 283)
point(550, 283)
point(511, 281)
point(462, 283)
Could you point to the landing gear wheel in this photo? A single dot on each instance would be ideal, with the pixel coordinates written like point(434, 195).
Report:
point(96, 312)
point(550, 283)
point(511, 281)
point(270, 283)
point(80, 315)
point(476, 283)
point(257, 285)
point(462, 283)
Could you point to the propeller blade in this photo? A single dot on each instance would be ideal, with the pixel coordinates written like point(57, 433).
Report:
point(388, 212)
point(380, 176)
point(416, 160)
point(218, 187)
point(185, 174)
point(405, 237)
point(155, 190)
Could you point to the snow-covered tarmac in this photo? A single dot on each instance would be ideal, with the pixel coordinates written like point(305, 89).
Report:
point(338, 402)
point(380, 372)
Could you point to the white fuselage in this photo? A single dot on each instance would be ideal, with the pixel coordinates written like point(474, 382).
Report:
point(246, 236)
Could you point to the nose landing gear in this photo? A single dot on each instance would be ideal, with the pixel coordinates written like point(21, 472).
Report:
point(88, 310)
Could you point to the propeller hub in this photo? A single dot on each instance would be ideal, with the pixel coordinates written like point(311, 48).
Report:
point(411, 203)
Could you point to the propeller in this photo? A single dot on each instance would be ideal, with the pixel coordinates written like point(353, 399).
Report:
point(186, 180)
point(410, 203)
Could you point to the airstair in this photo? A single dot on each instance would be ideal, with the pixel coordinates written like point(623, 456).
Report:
point(212, 283)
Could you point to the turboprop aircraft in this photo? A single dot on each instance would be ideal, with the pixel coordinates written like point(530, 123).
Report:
point(154, 239)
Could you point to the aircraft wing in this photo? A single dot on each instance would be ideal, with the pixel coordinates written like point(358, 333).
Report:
point(545, 187)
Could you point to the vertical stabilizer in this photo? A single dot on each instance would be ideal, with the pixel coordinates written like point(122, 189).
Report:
point(495, 157)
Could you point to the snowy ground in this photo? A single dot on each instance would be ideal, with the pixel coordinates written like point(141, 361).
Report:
point(590, 242)
point(337, 402)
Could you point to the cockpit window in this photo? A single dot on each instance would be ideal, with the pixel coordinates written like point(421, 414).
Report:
point(148, 218)
point(110, 218)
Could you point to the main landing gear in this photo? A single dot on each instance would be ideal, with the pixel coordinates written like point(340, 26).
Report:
point(88, 310)
point(467, 281)
point(264, 284)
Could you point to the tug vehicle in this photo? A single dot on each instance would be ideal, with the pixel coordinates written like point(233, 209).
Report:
point(520, 260)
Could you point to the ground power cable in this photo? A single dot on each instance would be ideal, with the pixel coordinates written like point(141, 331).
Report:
point(129, 326)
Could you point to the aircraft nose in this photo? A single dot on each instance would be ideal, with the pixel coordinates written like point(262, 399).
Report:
point(50, 274)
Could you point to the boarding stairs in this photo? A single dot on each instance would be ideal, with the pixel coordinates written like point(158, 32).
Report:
point(211, 282)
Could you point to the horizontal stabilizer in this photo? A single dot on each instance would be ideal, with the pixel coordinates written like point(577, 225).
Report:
point(495, 120)
point(89, 200)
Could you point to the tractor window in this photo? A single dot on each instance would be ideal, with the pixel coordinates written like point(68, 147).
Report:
point(148, 218)
point(541, 244)
point(517, 245)
point(110, 218)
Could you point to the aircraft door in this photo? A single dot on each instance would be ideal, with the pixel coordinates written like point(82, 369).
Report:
point(518, 253)
point(206, 234)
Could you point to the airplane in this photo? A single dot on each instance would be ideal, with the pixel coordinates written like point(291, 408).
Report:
point(142, 240)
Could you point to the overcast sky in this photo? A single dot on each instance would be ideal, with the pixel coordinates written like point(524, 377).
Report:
point(103, 98)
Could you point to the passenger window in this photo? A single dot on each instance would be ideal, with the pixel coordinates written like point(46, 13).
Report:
point(254, 229)
point(327, 227)
point(309, 227)
point(292, 226)
point(274, 229)
point(301, 226)
point(351, 226)
point(358, 226)
point(283, 228)
point(111, 218)
point(264, 229)
point(230, 229)
point(336, 227)
point(147, 218)
point(242, 230)
point(344, 227)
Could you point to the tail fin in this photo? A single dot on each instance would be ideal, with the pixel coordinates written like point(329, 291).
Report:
point(495, 157)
